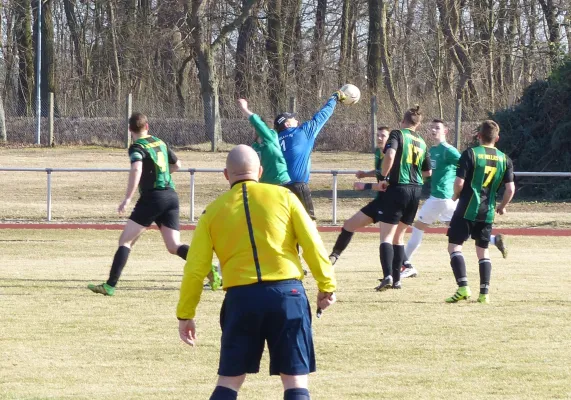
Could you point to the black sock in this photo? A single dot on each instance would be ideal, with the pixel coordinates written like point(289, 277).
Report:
point(485, 275)
point(399, 255)
point(386, 255)
point(182, 251)
point(405, 261)
point(342, 241)
point(223, 393)
point(119, 261)
point(459, 268)
point(296, 394)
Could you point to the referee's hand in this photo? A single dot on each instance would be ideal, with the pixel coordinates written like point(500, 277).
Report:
point(324, 300)
point(187, 331)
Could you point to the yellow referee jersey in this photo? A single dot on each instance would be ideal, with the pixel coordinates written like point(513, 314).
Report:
point(254, 229)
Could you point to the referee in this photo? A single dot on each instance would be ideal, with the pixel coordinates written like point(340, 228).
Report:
point(254, 229)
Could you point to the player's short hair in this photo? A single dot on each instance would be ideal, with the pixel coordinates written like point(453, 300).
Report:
point(137, 122)
point(439, 121)
point(413, 116)
point(383, 128)
point(489, 131)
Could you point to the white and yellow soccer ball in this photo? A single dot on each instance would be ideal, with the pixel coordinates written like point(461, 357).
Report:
point(352, 93)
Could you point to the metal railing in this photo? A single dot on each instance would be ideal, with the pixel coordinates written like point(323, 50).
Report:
point(193, 171)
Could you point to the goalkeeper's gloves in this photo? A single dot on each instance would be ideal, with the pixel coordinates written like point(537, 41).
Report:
point(340, 96)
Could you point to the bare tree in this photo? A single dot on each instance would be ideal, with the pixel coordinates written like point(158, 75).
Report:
point(203, 49)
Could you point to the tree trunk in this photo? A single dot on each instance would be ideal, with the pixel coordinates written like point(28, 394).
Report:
point(344, 55)
point(203, 50)
point(243, 71)
point(318, 70)
point(276, 62)
point(117, 87)
point(388, 77)
point(78, 50)
point(554, 41)
point(48, 81)
point(23, 33)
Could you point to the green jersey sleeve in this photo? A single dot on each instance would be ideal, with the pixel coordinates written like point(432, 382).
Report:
point(262, 129)
point(452, 155)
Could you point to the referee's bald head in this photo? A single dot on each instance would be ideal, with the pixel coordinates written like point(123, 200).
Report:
point(242, 163)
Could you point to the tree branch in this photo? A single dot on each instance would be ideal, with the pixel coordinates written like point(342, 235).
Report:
point(226, 29)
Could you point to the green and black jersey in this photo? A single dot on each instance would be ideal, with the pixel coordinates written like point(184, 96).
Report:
point(156, 157)
point(410, 160)
point(484, 169)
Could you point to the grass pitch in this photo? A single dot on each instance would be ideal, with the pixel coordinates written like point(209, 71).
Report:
point(60, 341)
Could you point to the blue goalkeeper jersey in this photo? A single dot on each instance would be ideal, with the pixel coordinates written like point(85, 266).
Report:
point(297, 143)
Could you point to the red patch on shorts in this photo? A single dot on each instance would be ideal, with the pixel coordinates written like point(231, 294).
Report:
point(294, 291)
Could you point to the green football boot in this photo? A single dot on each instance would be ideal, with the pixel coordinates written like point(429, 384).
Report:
point(103, 289)
point(463, 293)
point(484, 298)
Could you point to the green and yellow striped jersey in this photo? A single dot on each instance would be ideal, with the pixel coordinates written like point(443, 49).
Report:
point(484, 169)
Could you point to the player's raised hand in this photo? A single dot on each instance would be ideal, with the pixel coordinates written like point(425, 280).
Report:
point(243, 106)
point(187, 331)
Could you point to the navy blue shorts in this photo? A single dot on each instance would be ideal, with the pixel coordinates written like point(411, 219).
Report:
point(274, 312)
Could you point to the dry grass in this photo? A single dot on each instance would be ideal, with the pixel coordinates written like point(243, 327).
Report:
point(60, 341)
point(95, 196)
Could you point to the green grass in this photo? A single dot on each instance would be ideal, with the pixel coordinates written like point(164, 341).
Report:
point(60, 341)
point(94, 197)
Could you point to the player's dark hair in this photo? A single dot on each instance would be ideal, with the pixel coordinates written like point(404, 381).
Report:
point(489, 131)
point(439, 121)
point(137, 122)
point(413, 116)
point(384, 128)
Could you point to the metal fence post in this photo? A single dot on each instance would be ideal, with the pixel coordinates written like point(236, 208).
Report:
point(128, 111)
point(192, 171)
point(374, 122)
point(292, 104)
point(49, 172)
point(334, 197)
point(51, 105)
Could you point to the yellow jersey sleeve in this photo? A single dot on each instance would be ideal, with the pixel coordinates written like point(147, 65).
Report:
point(197, 267)
point(314, 252)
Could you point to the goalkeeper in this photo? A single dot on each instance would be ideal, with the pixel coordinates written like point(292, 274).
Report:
point(297, 141)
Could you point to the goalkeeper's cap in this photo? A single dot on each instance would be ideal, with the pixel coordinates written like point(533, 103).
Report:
point(281, 119)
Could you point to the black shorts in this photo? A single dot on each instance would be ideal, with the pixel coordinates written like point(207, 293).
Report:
point(301, 190)
point(374, 209)
point(400, 204)
point(461, 229)
point(274, 312)
point(159, 206)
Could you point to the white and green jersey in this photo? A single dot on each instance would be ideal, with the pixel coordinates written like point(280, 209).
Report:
point(444, 159)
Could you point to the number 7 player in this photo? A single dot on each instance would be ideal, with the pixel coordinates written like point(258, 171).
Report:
point(481, 171)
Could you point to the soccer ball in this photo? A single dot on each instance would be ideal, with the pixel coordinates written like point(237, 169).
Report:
point(352, 92)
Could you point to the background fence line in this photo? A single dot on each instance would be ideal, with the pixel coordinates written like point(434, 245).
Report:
point(193, 171)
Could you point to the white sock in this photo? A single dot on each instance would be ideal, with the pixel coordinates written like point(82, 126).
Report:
point(414, 242)
point(493, 239)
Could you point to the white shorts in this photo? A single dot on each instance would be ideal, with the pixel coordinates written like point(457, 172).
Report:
point(435, 209)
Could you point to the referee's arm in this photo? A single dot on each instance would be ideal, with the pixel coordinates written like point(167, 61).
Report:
point(314, 252)
point(197, 266)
